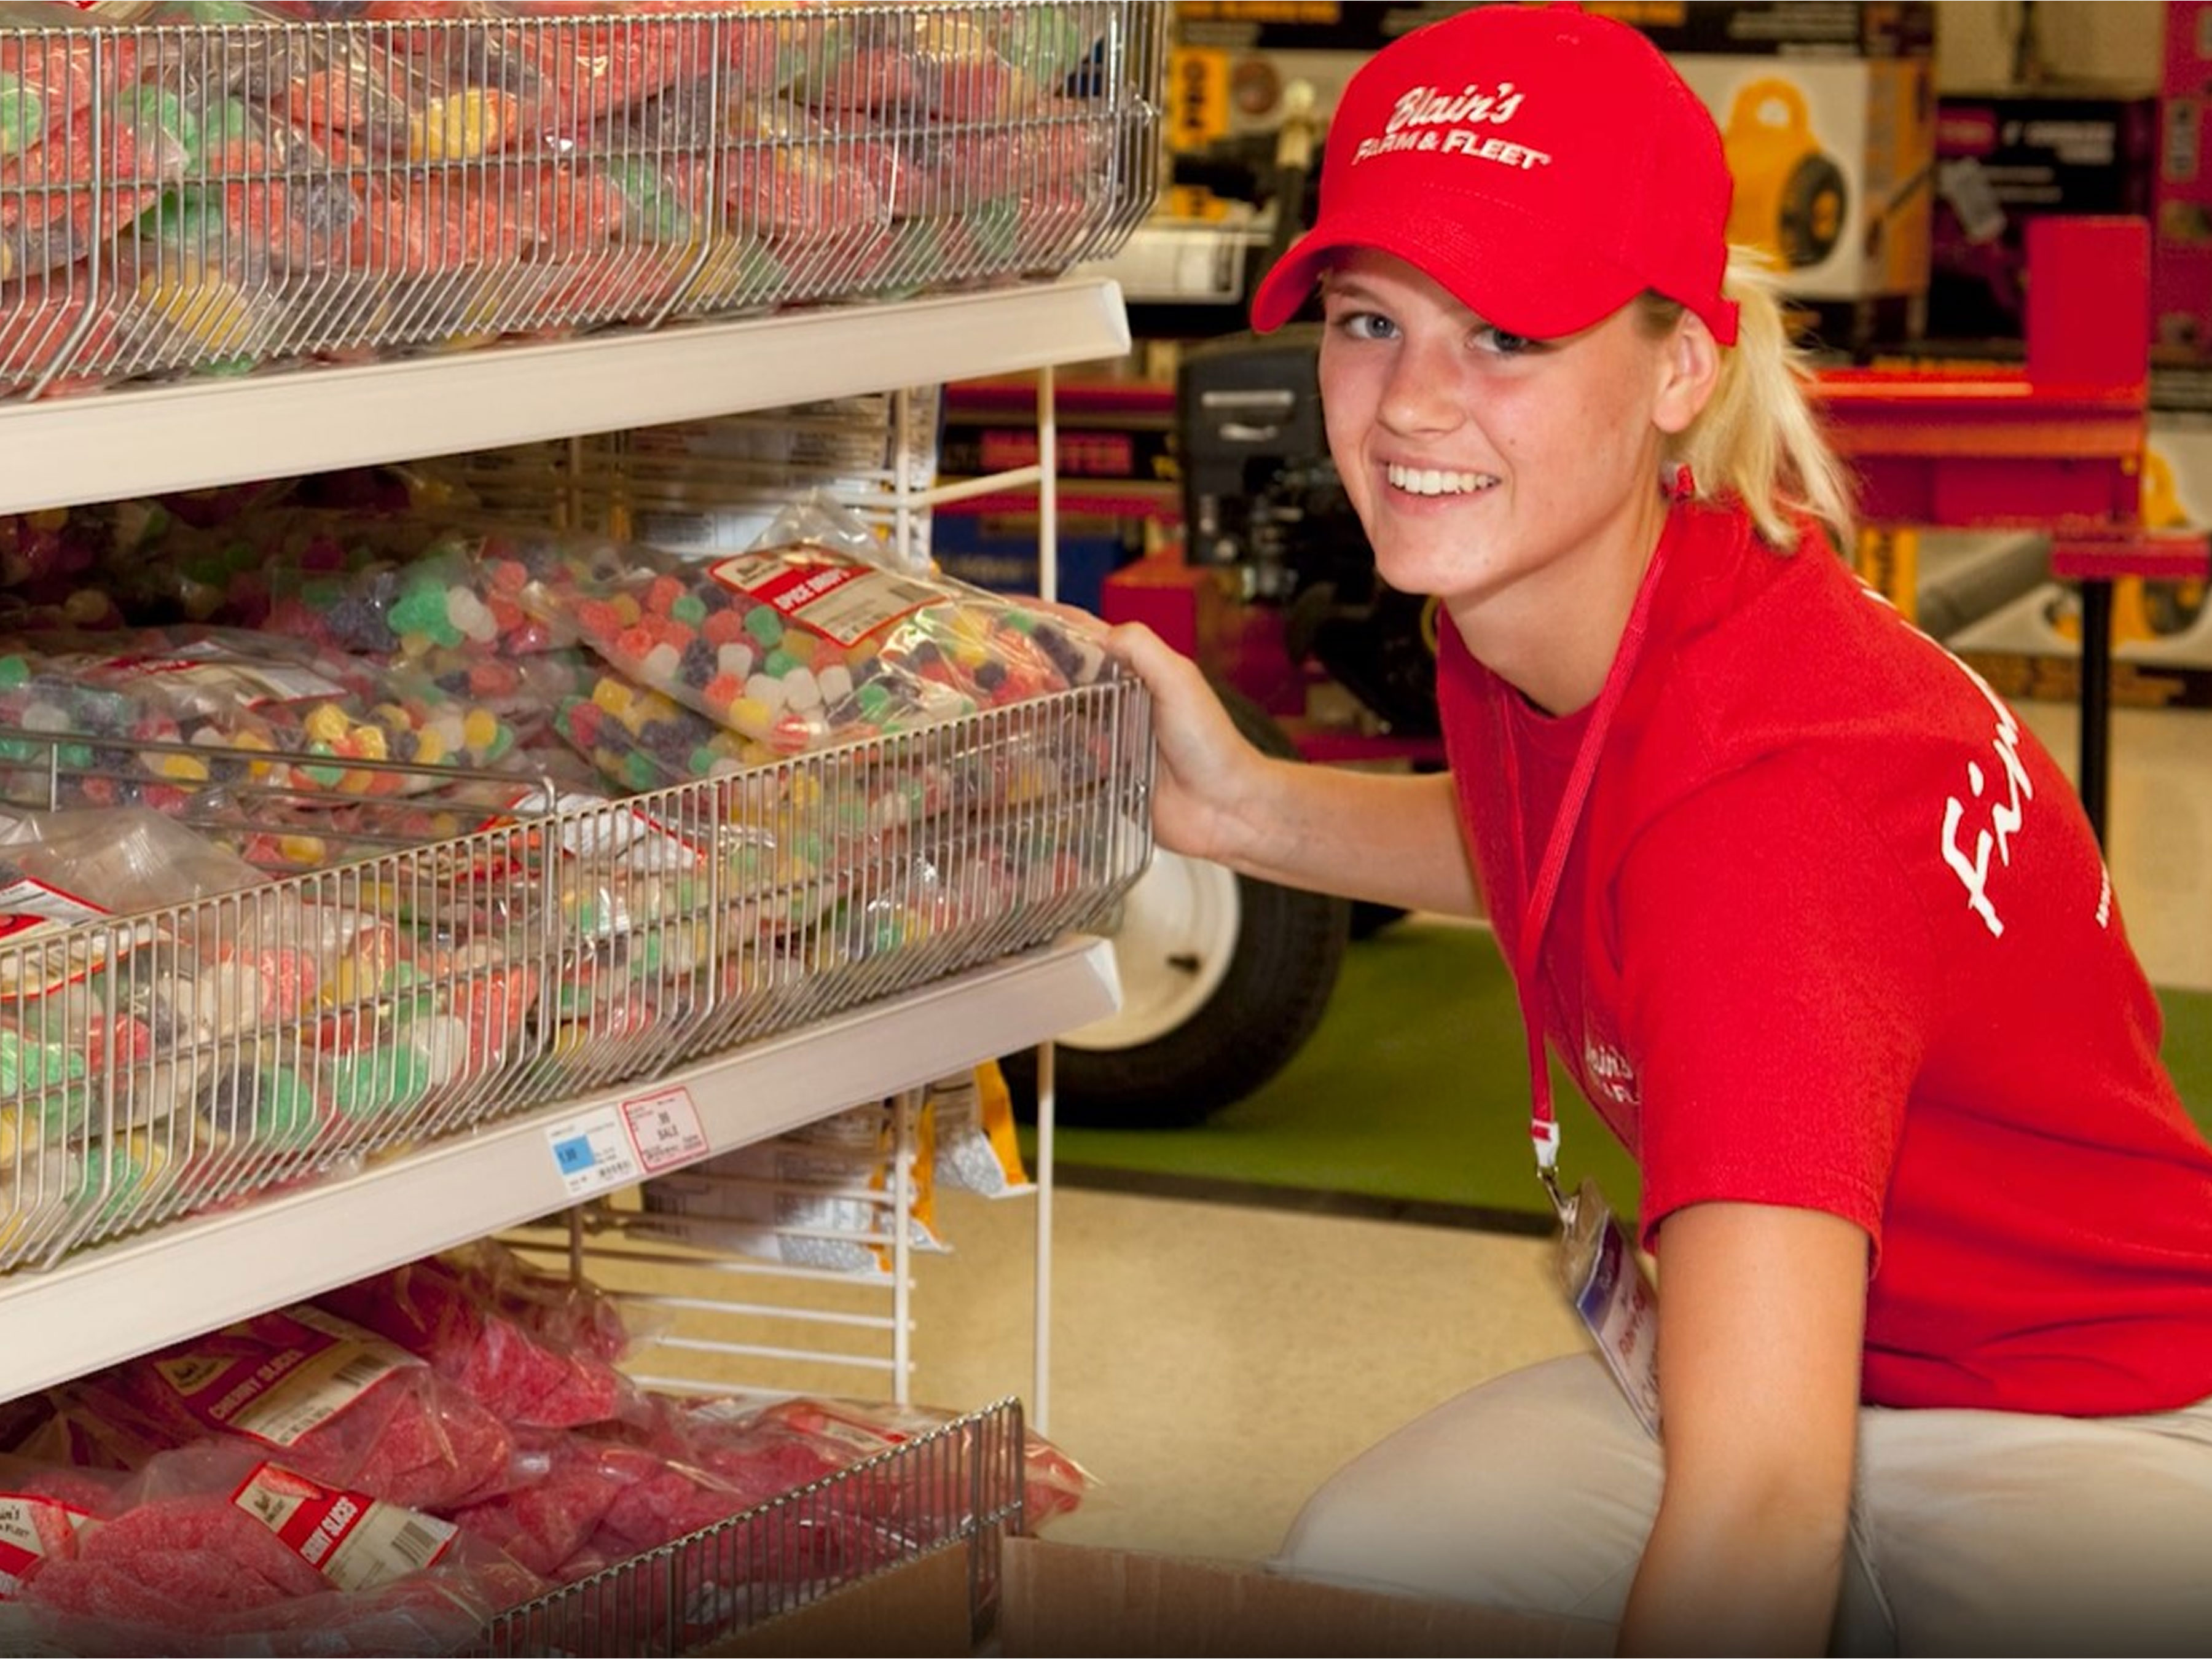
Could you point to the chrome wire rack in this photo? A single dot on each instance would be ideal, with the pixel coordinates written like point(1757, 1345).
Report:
point(171, 1061)
point(959, 1485)
point(198, 195)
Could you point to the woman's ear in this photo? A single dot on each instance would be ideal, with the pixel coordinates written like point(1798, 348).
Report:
point(1689, 369)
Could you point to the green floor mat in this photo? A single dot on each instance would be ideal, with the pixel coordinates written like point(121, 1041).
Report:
point(1414, 1094)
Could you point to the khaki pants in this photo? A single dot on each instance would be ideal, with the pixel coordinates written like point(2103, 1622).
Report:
point(1971, 1532)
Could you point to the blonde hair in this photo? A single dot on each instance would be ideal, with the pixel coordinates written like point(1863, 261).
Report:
point(1757, 438)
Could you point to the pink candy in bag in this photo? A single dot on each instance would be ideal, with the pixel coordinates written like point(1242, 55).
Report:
point(335, 1402)
point(505, 1336)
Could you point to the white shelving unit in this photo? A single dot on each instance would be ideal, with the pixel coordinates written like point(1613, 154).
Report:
point(179, 1279)
point(195, 1275)
point(729, 161)
point(109, 444)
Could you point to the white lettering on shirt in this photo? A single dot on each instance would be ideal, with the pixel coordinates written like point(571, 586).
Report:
point(1611, 1072)
point(2005, 813)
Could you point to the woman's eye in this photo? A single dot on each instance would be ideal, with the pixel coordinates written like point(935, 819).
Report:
point(1505, 345)
point(1366, 326)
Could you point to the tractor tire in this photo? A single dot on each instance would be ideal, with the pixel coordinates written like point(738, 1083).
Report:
point(1224, 979)
point(1370, 919)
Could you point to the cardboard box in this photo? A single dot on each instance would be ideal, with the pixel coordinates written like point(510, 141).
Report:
point(1074, 1598)
point(1833, 160)
point(1067, 1599)
point(2181, 215)
point(1828, 113)
point(2003, 160)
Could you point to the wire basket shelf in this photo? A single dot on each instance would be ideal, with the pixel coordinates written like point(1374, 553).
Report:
point(211, 196)
point(958, 1484)
point(169, 1062)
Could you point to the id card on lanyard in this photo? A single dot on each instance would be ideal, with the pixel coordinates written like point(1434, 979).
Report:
point(1598, 1264)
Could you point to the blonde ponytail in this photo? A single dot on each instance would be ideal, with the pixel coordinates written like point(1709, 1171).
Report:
point(1757, 440)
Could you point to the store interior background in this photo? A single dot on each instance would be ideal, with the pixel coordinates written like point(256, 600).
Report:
point(1214, 1362)
point(1210, 1348)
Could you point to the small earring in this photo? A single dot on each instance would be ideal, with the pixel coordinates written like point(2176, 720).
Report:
point(1684, 486)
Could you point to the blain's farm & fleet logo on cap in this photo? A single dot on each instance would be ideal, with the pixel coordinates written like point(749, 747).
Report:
point(1429, 120)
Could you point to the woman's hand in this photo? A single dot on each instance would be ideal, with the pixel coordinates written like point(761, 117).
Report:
point(1206, 767)
point(1390, 838)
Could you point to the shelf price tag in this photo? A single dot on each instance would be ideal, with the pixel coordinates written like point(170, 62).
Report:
point(593, 1153)
point(664, 1128)
point(613, 1145)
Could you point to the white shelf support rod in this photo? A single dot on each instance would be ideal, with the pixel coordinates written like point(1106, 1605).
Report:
point(1040, 1379)
point(1048, 589)
point(902, 1146)
point(993, 484)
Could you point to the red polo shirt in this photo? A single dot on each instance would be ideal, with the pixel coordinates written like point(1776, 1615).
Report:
point(1835, 933)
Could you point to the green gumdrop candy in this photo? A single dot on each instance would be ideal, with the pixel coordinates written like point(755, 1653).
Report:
point(34, 1065)
point(23, 117)
point(284, 1109)
point(422, 609)
point(377, 1080)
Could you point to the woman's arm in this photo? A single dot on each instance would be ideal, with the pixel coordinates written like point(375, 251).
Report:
point(1388, 837)
point(1762, 1312)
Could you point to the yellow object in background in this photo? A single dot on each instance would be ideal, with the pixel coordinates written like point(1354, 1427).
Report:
point(1790, 199)
point(1198, 97)
point(975, 1145)
point(2161, 507)
point(1887, 560)
point(2154, 609)
point(2141, 610)
point(996, 1111)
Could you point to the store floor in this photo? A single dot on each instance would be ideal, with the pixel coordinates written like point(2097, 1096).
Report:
point(1211, 1362)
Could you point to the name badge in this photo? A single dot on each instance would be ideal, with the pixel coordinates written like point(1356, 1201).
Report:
point(1605, 1280)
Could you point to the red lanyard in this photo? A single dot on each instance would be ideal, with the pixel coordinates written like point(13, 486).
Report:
point(1543, 895)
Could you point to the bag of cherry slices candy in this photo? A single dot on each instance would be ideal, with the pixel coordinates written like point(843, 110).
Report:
point(329, 1400)
point(215, 1548)
point(534, 1350)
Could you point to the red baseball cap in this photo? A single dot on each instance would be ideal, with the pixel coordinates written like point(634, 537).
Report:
point(1544, 164)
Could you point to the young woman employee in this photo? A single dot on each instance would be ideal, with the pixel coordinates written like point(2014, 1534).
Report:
point(1817, 926)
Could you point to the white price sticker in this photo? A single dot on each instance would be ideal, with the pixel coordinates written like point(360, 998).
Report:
point(594, 1153)
point(664, 1128)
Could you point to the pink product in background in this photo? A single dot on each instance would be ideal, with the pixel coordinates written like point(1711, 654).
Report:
point(2004, 160)
point(2181, 258)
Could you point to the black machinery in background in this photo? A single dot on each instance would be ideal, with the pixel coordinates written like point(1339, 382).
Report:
point(1260, 496)
point(1262, 499)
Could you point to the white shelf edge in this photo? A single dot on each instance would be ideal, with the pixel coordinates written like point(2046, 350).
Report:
point(177, 1281)
point(110, 446)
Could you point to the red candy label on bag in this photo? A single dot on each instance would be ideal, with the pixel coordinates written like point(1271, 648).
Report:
point(844, 603)
point(28, 1523)
point(305, 1369)
point(356, 1541)
point(29, 907)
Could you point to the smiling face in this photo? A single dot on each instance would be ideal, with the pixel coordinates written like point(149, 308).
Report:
point(1517, 480)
